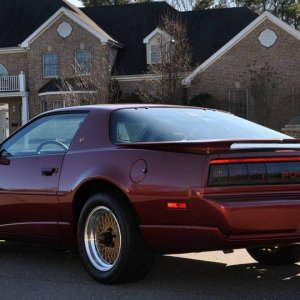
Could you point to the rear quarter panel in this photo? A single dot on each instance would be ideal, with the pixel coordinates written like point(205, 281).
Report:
point(169, 176)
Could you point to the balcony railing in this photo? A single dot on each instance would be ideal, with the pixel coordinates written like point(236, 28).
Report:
point(9, 83)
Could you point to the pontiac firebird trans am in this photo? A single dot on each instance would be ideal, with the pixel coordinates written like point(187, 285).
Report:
point(125, 182)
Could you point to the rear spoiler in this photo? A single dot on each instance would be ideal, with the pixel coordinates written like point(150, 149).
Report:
point(217, 146)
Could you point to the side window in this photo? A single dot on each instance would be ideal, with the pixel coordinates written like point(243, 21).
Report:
point(51, 134)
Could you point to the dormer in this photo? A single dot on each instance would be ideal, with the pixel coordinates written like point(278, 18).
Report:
point(154, 45)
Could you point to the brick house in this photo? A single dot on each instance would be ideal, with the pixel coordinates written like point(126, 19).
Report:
point(44, 40)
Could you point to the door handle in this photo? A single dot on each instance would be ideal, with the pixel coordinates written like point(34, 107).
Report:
point(49, 171)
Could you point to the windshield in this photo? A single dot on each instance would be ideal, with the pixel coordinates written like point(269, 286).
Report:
point(157, 124)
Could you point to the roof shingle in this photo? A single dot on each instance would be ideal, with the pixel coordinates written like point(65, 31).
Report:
point(20, 18)
point(208, 30)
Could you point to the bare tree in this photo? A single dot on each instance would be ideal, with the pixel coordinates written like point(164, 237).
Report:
point(88, 86)
point(185, 5)
point(91, 3)
point(173, 61)
point(263, 85)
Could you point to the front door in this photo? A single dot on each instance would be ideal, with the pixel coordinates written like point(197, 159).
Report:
point(30, 166)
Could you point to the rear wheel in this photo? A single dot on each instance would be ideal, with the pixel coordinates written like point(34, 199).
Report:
point(276, 255)
point(110, 242)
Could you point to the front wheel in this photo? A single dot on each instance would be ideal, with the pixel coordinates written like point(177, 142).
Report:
point(276, 255)
point(110, 242)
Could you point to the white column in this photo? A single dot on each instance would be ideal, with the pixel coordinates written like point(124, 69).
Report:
point(25, 109)
point(22, 82)
point(25, 112)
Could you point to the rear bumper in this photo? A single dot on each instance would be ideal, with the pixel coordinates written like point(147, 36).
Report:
point(248, 211)
point(225, 218)
point(180, 239)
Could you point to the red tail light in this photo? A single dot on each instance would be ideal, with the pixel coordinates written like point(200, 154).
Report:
point(176, 205)
point(250, 171)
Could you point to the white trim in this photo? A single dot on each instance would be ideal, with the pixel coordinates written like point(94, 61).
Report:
point(265, 16)
point(154, 33)
point(12, 50)
point(12, 94)
point(52, 104)
point(99, 33)
point(67, 92)
point(139, 77)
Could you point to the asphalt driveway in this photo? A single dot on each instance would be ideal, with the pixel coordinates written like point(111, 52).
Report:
point(40, 273)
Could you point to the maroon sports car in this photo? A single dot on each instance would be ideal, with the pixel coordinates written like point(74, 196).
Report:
point(125, 182)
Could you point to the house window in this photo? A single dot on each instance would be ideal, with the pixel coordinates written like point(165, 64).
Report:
point(49, 104)
point(157, 46)
point(3, 70)
point(83, 62)
point(238, 102)
point(51, 64)
point(112, 54)
point(155, 54)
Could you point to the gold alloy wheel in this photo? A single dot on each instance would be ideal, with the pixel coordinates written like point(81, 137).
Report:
point(102, 238)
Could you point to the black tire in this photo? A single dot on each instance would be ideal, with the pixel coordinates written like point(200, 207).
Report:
point(276, 255)
point(109, 241)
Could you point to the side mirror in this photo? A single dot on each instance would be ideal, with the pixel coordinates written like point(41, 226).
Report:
point(3, 157)
point(4, 161)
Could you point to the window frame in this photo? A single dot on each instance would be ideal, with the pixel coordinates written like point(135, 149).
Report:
point(52, 102)
point(230, 105)
point(80, 71)
point(155, 53)
point(160, 39)
point(57, 65)
point(5, 70)
point(13, 139)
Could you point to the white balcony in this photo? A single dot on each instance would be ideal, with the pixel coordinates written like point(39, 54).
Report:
point(12, 84)
point(9, 83)
point(15, 86)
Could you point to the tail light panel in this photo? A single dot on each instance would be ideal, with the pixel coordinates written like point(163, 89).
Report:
point(254, 171)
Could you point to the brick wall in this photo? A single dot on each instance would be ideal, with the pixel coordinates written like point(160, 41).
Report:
point(233, 67)
point(80, 39)
point(15, 63)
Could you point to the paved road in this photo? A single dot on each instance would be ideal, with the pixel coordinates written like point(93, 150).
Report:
point(41, 273)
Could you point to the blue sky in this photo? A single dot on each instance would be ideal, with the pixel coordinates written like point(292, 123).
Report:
point(75, 2)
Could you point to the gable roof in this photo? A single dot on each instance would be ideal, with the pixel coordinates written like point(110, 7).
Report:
point(58, 86)
point(237, 38)
point(24, 20)
point(21, 18)
point(129, 24)
point(208, 30)
point(156, 31)
point(81, 19)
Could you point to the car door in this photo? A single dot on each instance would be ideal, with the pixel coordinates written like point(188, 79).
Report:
point(30, 165)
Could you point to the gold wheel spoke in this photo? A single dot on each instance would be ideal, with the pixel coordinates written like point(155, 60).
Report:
point(106, 224)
